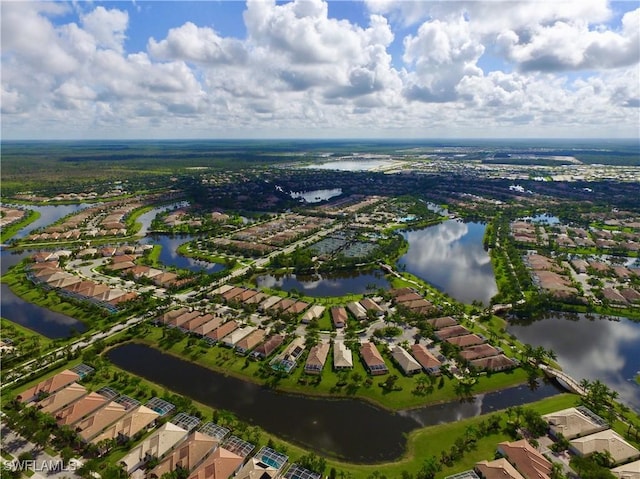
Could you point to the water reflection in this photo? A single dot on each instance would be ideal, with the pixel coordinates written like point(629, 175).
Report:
point(41, 320)
point(592, 349)
point(316, 196)
point(145, 219)
point(347, 428)
point(352, 165)
point(451, 257)
point(334, 284)
point(49, 214)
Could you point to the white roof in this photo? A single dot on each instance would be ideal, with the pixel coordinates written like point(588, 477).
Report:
point(608, 440)
point(573, 422)
point(238, 334)
point(627, 471)
point(157, 445)
point(313, 312)
point(405, 360)
point(342, 356)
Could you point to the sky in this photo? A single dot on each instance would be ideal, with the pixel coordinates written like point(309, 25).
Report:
point(318, 69)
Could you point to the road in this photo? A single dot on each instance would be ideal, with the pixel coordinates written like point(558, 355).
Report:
point(43, 465)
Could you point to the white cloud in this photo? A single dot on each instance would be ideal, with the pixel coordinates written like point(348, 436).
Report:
point(300, 72)
point(108, 27)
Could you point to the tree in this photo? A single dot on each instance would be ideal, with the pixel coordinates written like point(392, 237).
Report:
point(430, 467)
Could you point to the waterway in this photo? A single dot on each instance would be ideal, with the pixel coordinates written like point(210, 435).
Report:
point(145, 219)
point(451, 257)
point(350, 429)
point(49, 214)
point(41, 320)
point(323, 285)
point(591, 348)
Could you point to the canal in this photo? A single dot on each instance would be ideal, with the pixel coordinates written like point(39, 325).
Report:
point(350, 429)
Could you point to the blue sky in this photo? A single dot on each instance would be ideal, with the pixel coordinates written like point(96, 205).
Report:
point(308, 68)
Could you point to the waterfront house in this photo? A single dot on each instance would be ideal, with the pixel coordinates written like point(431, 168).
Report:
point(574, 422)
point(406, 362)
point(342, 356)
point(428, 361)
point(451, 332)
point(370, 305)
point(219, 465)
point(266, 464)
point(478, 351)
point(249, 342)
point(466, 340)
point(443, 322)
point(357, 310)
point(155, 446)
point(373, 359)
point(187, 455)
point(314, 312)
point(231, 339)
point(267, 348)
point(317, 358)
point(196, 322)
point(493, 363)
point(207, 327)
point(339, 317)
point(221, 331)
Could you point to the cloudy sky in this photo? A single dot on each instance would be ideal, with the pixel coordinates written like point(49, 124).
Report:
point(317, 69)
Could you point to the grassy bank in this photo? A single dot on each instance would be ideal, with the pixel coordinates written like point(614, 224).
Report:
point(331, 383)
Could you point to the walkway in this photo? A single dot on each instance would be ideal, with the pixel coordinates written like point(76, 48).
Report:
point(568, 381)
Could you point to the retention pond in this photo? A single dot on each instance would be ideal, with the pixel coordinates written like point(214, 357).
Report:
point(350, 429)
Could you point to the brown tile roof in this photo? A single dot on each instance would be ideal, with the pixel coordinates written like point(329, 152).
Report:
point(339, 316)
point(220, 465)
point(252, 340)
point(103, 417)
point(221, 331)
point(493, 363)
point(452, 332)
point(270, 345)
point(371, 356)
point(79, 409)
point(424, 357)
point(129, 425)
point(207, 327)
point(187, 455)
point(498, 469)
point(49, 385)
point(478, 351)
point(466, 340)
point(63, 397)
point(526, 459)
point(444, 322)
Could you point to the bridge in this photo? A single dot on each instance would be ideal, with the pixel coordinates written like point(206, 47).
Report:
point(564, 379)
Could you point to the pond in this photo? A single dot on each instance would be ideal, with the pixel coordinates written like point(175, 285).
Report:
point(316, 196)
point(169, 255)
point(451, 257)
point(49, 214)
point(350, 429)
point(321, 285)
point(591, 348)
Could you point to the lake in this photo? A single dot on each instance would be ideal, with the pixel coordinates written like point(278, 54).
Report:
point(591, 348)
point(351, 429)
point(354, 165)
point(316, 196)
point(451, 257)
point(329, 284)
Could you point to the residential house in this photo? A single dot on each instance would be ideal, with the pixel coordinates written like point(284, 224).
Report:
point(406, 362)
point(339, 317)
point(219, 465)
point(373, 359)
point(574, 422)
point(221, 331)
point(493, 363)
point(605, 441)
point(155, 446)
point(250, 341)
point(630, 470)
point(94, 424)
point(314, 312)
point(370, 305)
point(526, 459)
point(317, 358)
point(497, 469)
point(207, 327)
point(342, 356)
point(62, 398)
point(451, 332)
point(48, 386)
point(187, 455)
point(357, 310)
point(82, 407)
point(232, 338)
point(128, 426)
point(267, 348)
point(428, 361)
point(266, 464)
point(443, 322)
point(466, 340)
